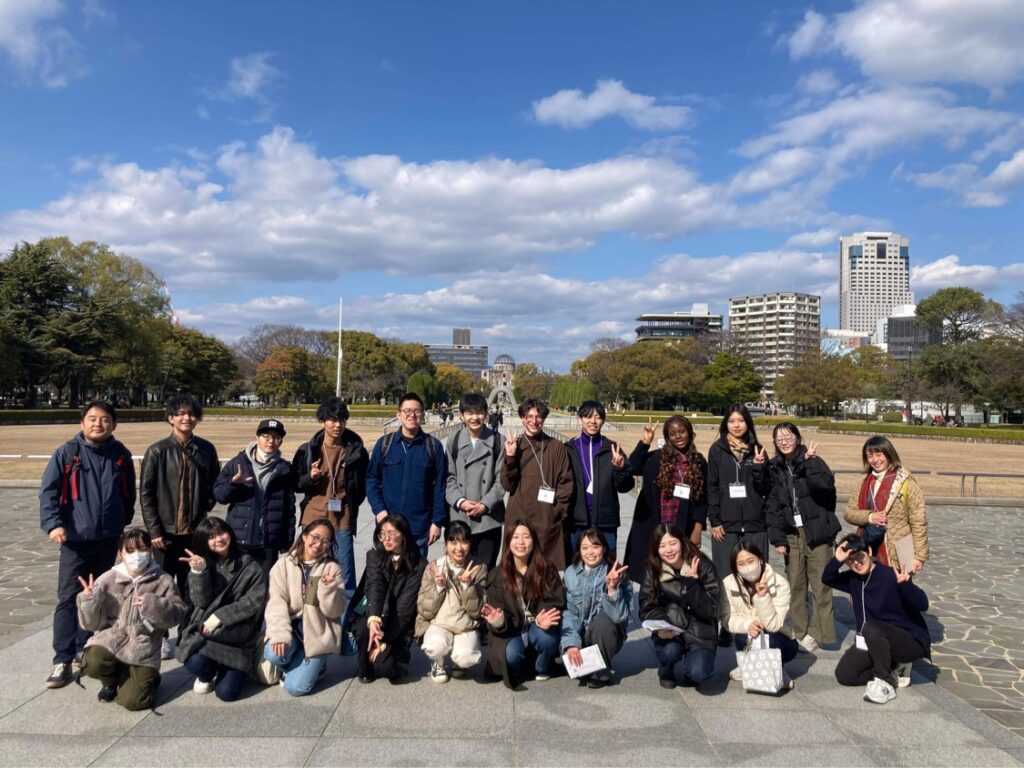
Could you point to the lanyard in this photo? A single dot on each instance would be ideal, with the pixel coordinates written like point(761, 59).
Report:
point(863, 603)
point(540, 461)
point(588, 473)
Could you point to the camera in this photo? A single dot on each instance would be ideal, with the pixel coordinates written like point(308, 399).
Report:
point(854, 543)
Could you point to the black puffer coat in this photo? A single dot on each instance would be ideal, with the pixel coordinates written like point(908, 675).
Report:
point(814, 486)
point(260, 520)
point(746, 515)
point(690, 604)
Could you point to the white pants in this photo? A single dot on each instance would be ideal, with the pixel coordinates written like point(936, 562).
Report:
point(464, 647)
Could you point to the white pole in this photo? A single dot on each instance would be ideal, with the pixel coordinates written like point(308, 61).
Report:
point(337, 381)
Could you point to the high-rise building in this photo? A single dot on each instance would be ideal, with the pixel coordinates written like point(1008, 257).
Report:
point(874, 277)
point(460, 337)
point(905, 336)
point(678, 325)
point(774, 331)
point(461, 354)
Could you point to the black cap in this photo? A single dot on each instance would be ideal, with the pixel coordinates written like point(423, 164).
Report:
point(271, 425)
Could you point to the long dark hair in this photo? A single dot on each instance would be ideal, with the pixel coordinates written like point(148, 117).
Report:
point(298, 548)
point(212, 526)
point(594, 536)
point(745, 545)
point(689, 551)
point(410, 557)
point(670, 460)
point(750, 438)
point(540, 574)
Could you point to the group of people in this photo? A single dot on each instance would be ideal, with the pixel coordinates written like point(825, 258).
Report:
point(534, 578)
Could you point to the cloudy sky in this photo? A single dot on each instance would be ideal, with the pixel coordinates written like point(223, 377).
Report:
point(541, 173)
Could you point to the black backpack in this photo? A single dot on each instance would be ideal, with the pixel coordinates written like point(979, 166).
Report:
point(454, 452)
point(389, 438)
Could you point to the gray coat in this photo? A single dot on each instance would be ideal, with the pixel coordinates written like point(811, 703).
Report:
point(474, 474)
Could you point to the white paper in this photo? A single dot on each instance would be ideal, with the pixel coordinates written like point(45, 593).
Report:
point(592, 662)
point(681, 491)
point(546, 495)
point(798, 521)
point(657, 625)
point(737, 491)
point(860, 642)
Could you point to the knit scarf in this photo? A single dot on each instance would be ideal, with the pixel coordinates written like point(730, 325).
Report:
point(738, 446)
point(880, 499)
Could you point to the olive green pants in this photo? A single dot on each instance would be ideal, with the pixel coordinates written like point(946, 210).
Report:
point(136, 685)
point(804, 566)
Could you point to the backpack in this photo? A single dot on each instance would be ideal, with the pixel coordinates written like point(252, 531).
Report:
point(69, 489)
point(389, 438)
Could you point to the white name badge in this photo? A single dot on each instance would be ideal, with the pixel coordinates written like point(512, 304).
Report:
point(737, 491)
point(860, 643)
point(681, 491)
point(546, 495)
point(798, 521)
point(334, 505)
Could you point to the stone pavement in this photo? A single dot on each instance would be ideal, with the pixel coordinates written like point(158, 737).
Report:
point(976, 612)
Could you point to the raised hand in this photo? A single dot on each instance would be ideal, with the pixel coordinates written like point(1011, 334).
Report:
point(761, 587)
point(760, 455)
point(511, 442)
point(316, 470)
point(195, 562)
point(901, 575)
point(649, 430)
point(440, 579)
point(548, 618)
point(327, 579)
point(812, 451)
point(239, 477)
point(842, 552)
point(87, 586)
point(491, 615)
point(694, 565)
point(468, 574)
point(614, 577)
point(618, 457)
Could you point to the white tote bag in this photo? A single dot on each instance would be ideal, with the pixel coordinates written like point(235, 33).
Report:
point(761, 667)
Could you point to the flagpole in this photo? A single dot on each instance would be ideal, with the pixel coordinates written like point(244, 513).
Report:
point(337, 381)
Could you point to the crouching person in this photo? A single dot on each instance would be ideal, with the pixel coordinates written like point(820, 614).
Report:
point(452, 593)
point(128, 608)
point(305, 602)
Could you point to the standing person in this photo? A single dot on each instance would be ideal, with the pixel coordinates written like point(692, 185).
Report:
point(681, 587)
point(407, 475)
point(674, 489)
point(598, 597)
point(802, 525)
point(600, 473)
point(86, 498)
point(176, 489)
point(537, 474)
point(219, 640)
point(452, 592)
point(889, 507)
point(525, 600)
point(258, 485)
point(473, 488)
point(494, 419)
point(738, 483)
point(391, 584)
point(305, 602)
point(129, 608)
point(891, 631)
point(330, 472)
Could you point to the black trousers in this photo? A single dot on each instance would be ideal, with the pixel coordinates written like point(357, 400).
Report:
point(392, 663)
point(168, 559)
point(77, 558)
point(609, 637)
point(484, 547)
point(888, 646)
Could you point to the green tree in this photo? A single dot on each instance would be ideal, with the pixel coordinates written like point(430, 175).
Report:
point(422, 383)
point(961, 313)
point(531, 381)
point(820, 382)
point(571, 390)
point(729, 378)
point(196, 364)
point(451, 382)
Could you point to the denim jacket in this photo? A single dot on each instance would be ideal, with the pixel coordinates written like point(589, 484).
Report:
point(585, 597)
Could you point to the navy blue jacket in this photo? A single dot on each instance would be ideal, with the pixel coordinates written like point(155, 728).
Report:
point(105, 483)
point(260, 520)
point(882, 599)
point(404, 482)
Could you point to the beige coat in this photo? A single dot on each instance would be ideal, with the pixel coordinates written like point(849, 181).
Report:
point(456, 607)
point(905, 516)
point(320, 612)
point(771, 610)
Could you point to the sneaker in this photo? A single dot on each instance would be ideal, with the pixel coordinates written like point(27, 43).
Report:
point(541, 677)
point(166, 649)
point(459, 673)
point(348, 644)
point(736, 674)
point(667, 683)
point(808, 644)
point(879, 691)
point(787, 681)
point(437, 673)
point(202, 688)
point(60, 676)
point(107, 694)
point(902, 673)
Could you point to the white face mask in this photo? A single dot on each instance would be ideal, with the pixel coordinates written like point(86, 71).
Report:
point(750, 572)
point(136, 562)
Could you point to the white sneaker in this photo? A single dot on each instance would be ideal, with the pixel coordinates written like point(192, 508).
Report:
point(166, 649)
point(787, 681)
point(808, 644)
point(879, 691)
point(540, 677)
point(437, 673)
point(202, 688)
point(903, 675)
point(736, 674)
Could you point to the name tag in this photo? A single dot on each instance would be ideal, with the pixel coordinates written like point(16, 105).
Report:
point(590, 487)
point(546, 495)
point(798, 521)
point(860, 643)
point(737, 491)
point(681, 491)
point(334, 505)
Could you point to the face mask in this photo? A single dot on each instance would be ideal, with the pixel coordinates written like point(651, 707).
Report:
point(750, 572)
point(136, 562)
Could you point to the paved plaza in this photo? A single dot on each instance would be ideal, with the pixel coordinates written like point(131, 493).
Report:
point(967, 710)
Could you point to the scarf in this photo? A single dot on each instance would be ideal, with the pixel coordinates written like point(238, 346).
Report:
point(183, 521)
point(670, 504)
point(737, 446)
point(880, 498)
point(262, 464)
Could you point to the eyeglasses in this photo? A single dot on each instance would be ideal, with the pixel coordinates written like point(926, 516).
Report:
point(388, 535)
point(312, 538)
point(785, 437)
point(411, 412)
point(183, 414)
point(270, 436)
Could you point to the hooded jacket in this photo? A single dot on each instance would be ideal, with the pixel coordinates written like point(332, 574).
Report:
point(746, 515)
point(260, 519)
point(356, 463)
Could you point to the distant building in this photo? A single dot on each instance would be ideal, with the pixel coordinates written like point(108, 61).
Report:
point(874, 278)
point(838, 342)
point(905, 336)
point(502, 372)
point(774, 331)
point(466, 357)
point(679, 325)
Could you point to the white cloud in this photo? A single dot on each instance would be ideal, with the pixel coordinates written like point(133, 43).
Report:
point(810, 36)
point(817, 239)
point(38, 46)
point(975, 190)
point(776, 170)
point(818, 83)
point(610, 98)
point(251, 76)
point(948, 271)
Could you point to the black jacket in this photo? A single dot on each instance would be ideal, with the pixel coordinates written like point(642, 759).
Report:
point(647, 513)
point(391, 594)
point(260, 520)
point(160, 478)
point(609, 482)
point(356, 462)
point(746, 515)
point(815, 489)
point(690, 604)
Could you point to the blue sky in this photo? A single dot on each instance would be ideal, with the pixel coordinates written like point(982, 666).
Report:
point(541, 173)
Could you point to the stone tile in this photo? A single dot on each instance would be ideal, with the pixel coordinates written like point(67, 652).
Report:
point(412, 751)
point(838, 755)
point(661, 746)
point(69, 711)
point(184, 751)
point(730, 726)
point(1009, 718)
point(34, 749)
point(901, 729)
point(974, 756)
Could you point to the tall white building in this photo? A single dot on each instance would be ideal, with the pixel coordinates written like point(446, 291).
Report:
point(874, 278)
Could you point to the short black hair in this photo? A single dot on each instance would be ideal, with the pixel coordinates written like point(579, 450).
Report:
point(211, 526)
point(533, 402)
point(184, 402)
point(456, 530)
point(410, 396)
point(134, 539)
point(472, 401)
point(333, 408)
point(103, 405)
point(590, 407)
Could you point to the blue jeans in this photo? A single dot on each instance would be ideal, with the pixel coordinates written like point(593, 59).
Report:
point(229, 681)
point(344, 552)
point(611, 536)
point(421, 542)
point(300, 673)
point(787, 645)
point(681, 664)
point(544, 643)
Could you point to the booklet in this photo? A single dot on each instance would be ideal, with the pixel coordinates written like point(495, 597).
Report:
point(657, 625)
point(592, 662)
point(905, 552)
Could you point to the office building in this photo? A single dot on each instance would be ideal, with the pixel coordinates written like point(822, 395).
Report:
point(905, 336)
point(874, 278)
point(679, 325)
point(460, 353)
point(774, 331)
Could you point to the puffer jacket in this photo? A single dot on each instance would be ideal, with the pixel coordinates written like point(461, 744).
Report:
point(457, 606)
point(690, 604)
point(319, 612)
point(746, 515)
point(262, 520)
point(814, 486)
point(131, 633)
point(586, 596)
point(905, 517)
point(771, 610)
